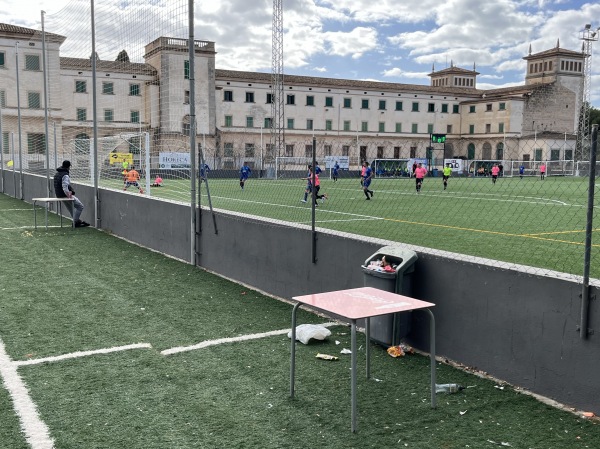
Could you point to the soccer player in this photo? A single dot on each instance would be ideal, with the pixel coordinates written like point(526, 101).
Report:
point(244, 174)
point(317, 169)
point(521, 171)
point(495, 171)
point(158, 182)
point(336, 171)
point(203, 172)
point(362, 172)
point(542, 171)
point(132, 179)
point(420, 173)
point(446, 175)
point(367, 175)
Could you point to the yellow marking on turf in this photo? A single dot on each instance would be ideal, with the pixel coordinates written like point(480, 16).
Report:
point(561, 232)
point(485, 231)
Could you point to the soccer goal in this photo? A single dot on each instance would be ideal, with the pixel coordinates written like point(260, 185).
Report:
point(115, 153)
point(292, 167)
point(391, 168)
point(532, 168)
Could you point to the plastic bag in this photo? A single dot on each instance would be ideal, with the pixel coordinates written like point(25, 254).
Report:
point(306, 332)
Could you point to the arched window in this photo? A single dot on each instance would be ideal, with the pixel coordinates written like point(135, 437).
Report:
point(486, 151)
point(471, 151)
point(82, 144)
point(500, 151)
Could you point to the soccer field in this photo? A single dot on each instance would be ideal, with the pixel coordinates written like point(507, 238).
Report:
point(526, 221)
point(110, 345)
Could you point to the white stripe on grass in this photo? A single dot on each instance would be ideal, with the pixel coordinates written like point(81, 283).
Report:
point(220, 341)
point(78, 354)
point(35, 430)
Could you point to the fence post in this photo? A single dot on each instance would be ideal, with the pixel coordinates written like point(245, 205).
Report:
point(585, 291)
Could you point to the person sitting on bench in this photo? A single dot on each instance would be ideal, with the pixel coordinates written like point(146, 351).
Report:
point(63, 189)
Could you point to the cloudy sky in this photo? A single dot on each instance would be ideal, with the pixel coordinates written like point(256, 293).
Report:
point(387, 40)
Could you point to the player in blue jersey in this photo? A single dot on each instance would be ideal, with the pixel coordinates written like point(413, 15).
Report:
point(336, 171)
point(317, 169)
point(367, 175)
point(244, 174)
point(204, 171)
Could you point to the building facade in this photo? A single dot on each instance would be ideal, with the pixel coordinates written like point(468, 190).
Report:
point(363, 120)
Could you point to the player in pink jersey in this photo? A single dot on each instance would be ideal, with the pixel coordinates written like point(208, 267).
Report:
point(420, 173)
point(495, 171)
point(542, 171)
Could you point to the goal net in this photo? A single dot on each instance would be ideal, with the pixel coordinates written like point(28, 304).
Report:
point(115, 155)
point(532, 168)
point(391, 168)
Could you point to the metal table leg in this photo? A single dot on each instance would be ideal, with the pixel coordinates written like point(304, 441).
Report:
point(293, 351)
point(353, 377)
point(432, 355)
point(34, 216)
point(368, 346)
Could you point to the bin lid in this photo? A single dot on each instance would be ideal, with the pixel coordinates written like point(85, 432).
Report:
point(407, 256)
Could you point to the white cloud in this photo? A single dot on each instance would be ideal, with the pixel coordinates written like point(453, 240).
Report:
point(399, 73)
point(354, 43)
point(320, 69)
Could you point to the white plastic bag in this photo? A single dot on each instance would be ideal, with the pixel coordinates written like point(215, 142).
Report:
point(305, 332)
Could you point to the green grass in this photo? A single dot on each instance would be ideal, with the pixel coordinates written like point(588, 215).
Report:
point(525, 221)
point(236, 395)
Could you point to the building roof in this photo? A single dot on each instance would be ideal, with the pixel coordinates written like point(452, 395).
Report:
point(454, 70)
point(556, 51)
point(344, 83)
point(6, 29)
point(135, 68)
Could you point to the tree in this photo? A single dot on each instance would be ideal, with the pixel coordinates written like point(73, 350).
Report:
point(594, 116)
point(123, 56)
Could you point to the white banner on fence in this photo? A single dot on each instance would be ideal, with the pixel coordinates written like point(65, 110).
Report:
point(174, 160)
point(343, 161)
point(456, 164)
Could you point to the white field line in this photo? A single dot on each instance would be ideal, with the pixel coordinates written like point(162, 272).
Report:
point(35, 430)
point(220, 341)
point(16, 210)
point(344, 220)
point(21, 227)
point(78, 354)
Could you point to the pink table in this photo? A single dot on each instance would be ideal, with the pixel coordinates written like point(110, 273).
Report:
point(355, 304)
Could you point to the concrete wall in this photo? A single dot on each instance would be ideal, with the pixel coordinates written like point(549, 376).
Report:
point(515, 326)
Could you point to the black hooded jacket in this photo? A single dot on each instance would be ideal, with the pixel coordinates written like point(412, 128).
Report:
point(58, 178)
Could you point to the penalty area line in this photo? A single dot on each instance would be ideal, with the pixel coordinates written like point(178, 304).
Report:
point(220, 341)
point(78, 354)
point(36, 431)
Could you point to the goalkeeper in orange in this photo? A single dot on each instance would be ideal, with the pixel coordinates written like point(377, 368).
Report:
point(132, 179)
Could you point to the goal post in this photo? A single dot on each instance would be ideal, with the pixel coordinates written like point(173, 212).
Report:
point(532, 168)
point(292, 167)
point(122, 151)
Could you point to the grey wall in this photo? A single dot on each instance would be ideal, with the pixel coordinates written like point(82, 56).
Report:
point(515, 326)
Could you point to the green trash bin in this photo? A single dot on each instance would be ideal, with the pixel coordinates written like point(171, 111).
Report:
point(389, 329)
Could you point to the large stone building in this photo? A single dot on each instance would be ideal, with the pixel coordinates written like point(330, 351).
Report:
point(358, 119)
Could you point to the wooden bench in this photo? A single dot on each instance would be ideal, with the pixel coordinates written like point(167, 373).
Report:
point(58, 201)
